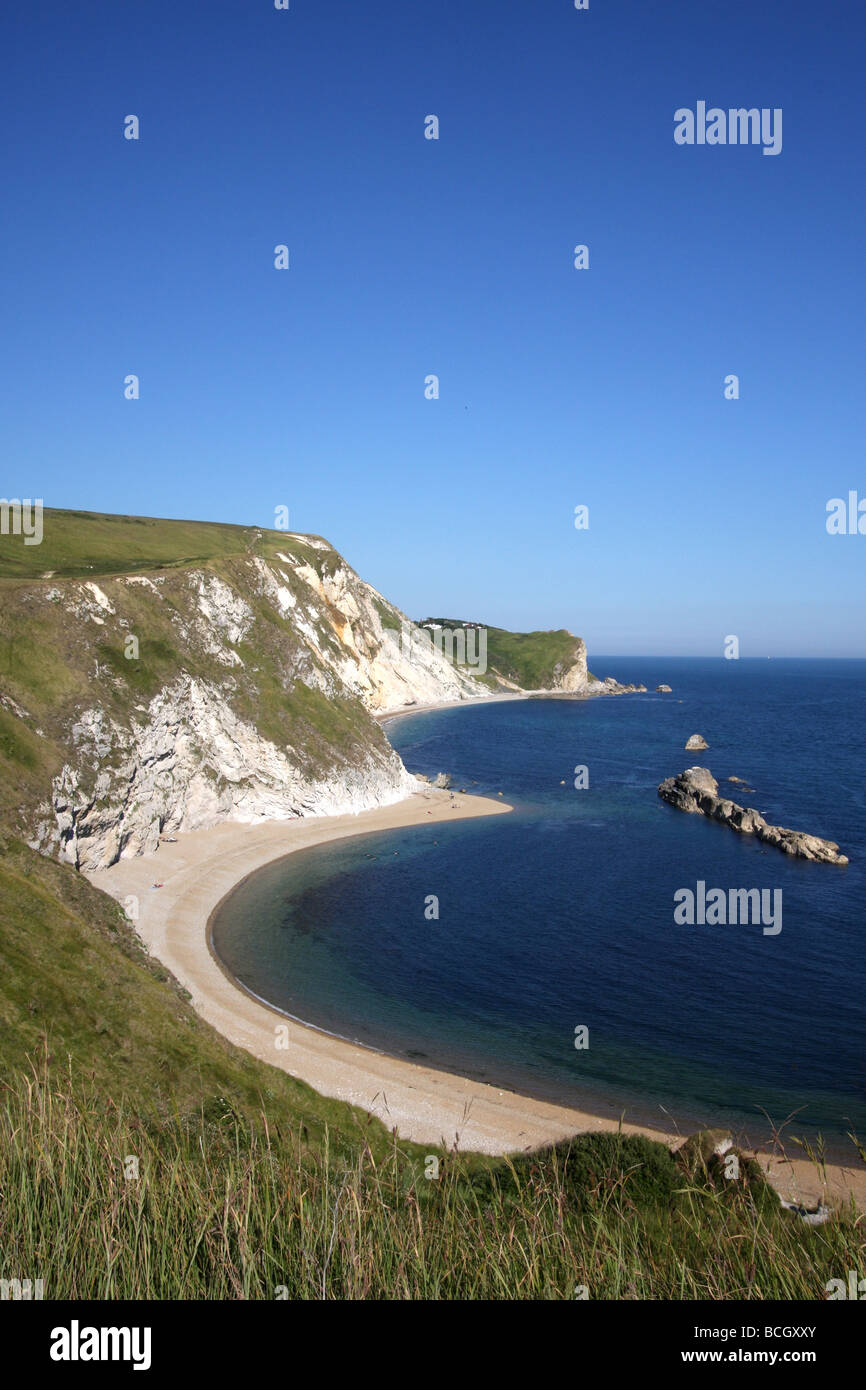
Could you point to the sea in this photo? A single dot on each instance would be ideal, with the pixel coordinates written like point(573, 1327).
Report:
point(540, 951)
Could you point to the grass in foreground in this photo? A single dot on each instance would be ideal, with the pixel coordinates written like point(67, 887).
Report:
point(99, 1205)
point(79, 992)
point(249, 1182)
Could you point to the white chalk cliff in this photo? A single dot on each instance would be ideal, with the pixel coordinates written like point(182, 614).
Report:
point(238, 689)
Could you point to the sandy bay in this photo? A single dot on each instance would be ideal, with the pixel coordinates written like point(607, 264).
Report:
point(198, 870)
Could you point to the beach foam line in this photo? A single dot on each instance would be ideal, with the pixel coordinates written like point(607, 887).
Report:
point(199, 870)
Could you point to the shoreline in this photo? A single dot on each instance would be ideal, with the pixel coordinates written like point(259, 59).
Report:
point(385, 716)
point(428, 1106)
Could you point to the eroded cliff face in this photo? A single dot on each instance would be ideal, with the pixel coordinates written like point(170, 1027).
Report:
point(188, 761)
point(236, 688)
point(236, 691)
point(573, 676)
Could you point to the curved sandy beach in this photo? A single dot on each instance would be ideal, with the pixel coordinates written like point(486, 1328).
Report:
point(430, 1107)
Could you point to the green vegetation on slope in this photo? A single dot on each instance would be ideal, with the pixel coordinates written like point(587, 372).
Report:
point(531, 660)
point(78, 991)
point(230, 1210)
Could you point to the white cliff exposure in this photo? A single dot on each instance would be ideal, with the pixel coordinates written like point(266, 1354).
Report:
point(187, 758)
point(238, 688)
point(189, 762)
point(575, 678)
point(388, 668)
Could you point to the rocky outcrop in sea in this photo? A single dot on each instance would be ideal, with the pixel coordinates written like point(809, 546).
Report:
point(696, 790)
point(611, 686)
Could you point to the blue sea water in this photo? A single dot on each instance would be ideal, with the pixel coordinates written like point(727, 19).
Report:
point(561, 914)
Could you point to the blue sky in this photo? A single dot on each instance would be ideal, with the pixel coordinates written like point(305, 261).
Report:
point(558, 387)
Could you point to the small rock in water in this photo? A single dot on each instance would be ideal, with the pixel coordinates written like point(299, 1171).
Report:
point(696, 741)
point(664, 689)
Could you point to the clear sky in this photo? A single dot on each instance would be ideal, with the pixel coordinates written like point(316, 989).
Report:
point(305, 387)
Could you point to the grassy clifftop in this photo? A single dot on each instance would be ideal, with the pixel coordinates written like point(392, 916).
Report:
point(530, 660)
point(84, 545)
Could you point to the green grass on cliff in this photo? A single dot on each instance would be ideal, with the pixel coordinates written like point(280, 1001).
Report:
point(527, 659)
point(85, 545)
point(250, 1185)
point(79, 994)
point(56, 659)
